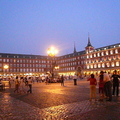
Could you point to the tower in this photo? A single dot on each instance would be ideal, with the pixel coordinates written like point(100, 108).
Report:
point(74, 48)
point(89, 47)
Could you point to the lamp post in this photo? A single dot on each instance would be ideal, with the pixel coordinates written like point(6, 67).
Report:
point(56, 70)
point(5, 67)
point(52, 52)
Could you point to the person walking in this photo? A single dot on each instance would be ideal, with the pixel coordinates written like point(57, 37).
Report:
point(115, 80)
point(101, 86)
point(93, 83)
point(47, 80)
point(22, 86)
point(107, 87)
point(29, 85)
point(75, 79)
point(62, 80)
point(17, 84)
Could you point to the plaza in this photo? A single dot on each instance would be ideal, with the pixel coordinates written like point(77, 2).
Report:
point(56, 102)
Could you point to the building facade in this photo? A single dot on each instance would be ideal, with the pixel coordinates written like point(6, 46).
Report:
point(89, 61)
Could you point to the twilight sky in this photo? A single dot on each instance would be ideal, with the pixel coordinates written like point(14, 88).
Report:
point(32, 26)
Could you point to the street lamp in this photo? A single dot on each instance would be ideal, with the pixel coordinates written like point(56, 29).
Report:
point(52, 52)
point(5, 67)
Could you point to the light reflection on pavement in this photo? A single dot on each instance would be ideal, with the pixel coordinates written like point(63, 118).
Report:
point(16, 109)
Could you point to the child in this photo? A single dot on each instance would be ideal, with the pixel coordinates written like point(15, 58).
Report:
point(93, 83)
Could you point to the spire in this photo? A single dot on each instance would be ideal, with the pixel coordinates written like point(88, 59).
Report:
point(89, 44)
point(89, 47)
point(74, 47)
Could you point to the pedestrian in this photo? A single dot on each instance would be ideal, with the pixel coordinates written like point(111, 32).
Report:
point(93, 83)
point(107, 87)
point(75, 79)
point(115, 80)
point(26, 81)
point(101, 86)
point(22, 86)
point(2, 86)
point(9, 82)
point(29, 85)
point(47, 80)
point(62, 80)
point(17, 84)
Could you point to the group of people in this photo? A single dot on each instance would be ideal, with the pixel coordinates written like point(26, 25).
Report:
point(108, 85)
point(74, 79)
point(23, 85)
point(106, 82)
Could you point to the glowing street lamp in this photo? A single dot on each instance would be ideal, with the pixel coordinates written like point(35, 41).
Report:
point(5, 66)
point(52, 52)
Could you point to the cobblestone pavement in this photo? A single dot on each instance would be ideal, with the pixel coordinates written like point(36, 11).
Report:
point(55, 102)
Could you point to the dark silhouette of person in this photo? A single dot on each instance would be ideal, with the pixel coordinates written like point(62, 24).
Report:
point(115, 77)
point(62, 80)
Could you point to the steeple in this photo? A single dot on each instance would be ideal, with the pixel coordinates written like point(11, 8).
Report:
point(74, 48)
point(89, 44)
point(89, 47)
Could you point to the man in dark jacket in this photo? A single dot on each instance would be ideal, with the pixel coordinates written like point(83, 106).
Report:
point(115, 77)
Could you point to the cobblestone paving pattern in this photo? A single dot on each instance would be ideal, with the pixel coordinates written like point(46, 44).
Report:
point(54, 102)
point(14, 109)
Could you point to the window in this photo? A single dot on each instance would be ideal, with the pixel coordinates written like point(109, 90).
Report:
point(14, 65)
point(103, 65)
point(11, 65)
point(20, 65)
point(116, 51)
point(98, 54)
point(95, 66)
point(91, 66)
point(4, 60)
point(99, 65)
point(94, 55)
point(102, 53)
point(17, 60)
point(108, 64)
point(111, 52)
point(20, 61)
point(106, 52)
point(89, 61)
point(112, 64)
point(117, 64)
point(87, 66)
point(91, 56)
